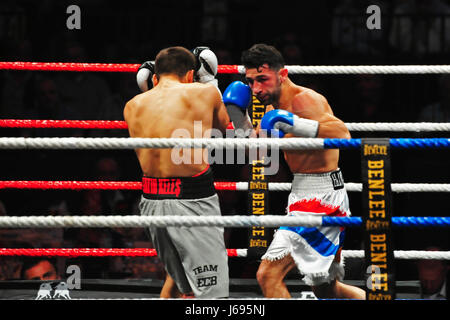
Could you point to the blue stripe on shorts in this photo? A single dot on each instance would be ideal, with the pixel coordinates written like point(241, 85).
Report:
point(317, 240)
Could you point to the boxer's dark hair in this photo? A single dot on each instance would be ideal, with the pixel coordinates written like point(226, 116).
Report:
point(174, 60)
point(261, 53)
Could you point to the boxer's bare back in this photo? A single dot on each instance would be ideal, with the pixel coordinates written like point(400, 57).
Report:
point(173, 105)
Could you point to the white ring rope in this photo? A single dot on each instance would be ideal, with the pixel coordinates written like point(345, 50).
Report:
point(403, 254)
point(365, 69)
point(398, 126)
point(135, 221)
point(398, 254)
point(134, 143)
point(357, 187)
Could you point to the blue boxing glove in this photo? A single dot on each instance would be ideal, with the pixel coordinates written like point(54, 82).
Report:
point(145, 74)
point(279, 122)
point(237, 97)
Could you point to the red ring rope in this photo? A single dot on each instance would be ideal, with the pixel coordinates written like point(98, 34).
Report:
point(80, 124)
point(87, 252)
point(99, 185)
point(92, 67)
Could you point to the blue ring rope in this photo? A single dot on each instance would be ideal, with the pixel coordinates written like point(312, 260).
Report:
point(396, 221)
point(400, 143)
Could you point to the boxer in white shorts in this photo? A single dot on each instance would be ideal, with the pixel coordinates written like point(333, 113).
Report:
point(301, 112)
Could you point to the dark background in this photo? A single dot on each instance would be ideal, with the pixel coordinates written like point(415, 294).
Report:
point(307, 33)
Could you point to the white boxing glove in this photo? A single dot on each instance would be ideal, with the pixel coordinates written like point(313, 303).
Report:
point(206, 65)
point(144, 75)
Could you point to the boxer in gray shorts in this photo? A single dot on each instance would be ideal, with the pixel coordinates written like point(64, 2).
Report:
point(195, 257)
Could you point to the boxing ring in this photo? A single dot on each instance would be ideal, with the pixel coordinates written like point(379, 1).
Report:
point(243, 220)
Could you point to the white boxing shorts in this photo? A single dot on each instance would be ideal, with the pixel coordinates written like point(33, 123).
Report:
point(316, 251)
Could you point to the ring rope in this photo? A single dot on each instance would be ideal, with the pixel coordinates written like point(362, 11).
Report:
point(136, 221)
point(72, 124)
point(219, 185)
point(398, 127)
point(230, 69)
point(368, 69)
point(116, 124)
point(217, 143)
point(150, 252)
point(133, 143)
point(69, 66)
point(403, 254)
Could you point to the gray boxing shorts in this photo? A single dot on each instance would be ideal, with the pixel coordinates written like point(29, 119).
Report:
point(195, 257)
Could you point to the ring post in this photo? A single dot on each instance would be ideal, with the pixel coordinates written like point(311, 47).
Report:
point(377, 214)
point(258, 191)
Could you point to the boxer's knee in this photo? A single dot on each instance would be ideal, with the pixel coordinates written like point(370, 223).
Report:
point(263, 275)
point(273, 272)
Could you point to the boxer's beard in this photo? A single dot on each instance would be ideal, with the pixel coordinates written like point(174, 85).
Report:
point(272, 98)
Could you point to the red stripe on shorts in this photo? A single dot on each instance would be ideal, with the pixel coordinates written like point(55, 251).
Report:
point(316, 206)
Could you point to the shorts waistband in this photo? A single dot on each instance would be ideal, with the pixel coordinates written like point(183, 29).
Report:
point(327, 181)
point(196, 187)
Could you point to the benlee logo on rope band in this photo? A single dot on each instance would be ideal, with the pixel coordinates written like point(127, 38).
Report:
point(375, 149)
point(169, 186)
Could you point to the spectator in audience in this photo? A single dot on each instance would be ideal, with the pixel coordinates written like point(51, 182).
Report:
point(420, 27)
point(433, 276)
point(108, 169)
point(134, 267)
point(40, 268)
point(124, 90)
point(85, 93)
point(440, 110)
point(370, 96)
point(214, 20)
point(349, 33)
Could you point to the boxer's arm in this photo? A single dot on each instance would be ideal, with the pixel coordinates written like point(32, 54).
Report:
point(220, 114)
point(332, 127)
point(312, 105)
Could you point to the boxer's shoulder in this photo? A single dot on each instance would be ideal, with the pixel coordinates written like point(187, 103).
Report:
point(199, 87)
point(309, 100)
point(200, 91)
point(308, 96)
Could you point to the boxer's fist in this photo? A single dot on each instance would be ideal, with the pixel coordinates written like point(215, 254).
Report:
point(237, 97)
point(206, 65)
point(239, 94)
point(144, 75)
point(278, 122)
